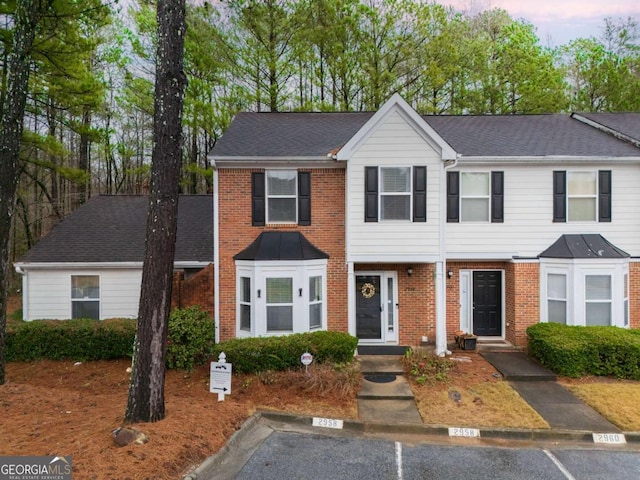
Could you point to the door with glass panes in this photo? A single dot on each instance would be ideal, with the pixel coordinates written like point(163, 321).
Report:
point(376, 307)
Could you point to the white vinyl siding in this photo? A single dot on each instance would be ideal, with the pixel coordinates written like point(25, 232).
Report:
point(528, 228)
point(48, 293)
point(394, 143)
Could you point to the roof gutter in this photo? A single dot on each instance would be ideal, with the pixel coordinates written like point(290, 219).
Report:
point(549, 159)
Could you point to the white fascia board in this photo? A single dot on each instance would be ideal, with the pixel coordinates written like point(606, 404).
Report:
point(96, 265)
point(501, 256)
point(397, 104)
point(394, 258)
point(546, 160)
point(276, 162)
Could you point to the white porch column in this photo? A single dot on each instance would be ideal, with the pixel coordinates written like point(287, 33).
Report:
point(351, 301)
point(441, 311)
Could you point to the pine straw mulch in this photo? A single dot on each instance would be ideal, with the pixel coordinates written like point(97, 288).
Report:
point(59, 408)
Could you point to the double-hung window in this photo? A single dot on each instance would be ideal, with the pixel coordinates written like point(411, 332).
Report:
point(557, 297)
point(280, 196)
point(315, 302)
point(598, 300)
point(245, 303)
point(475, 197)
point(582, 196)
point(395, 194)
point(85, 296)
point(279, 304)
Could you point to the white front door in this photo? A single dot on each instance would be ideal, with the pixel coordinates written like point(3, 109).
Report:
point(376, 303)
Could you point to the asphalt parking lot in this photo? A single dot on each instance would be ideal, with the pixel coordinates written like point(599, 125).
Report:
point(278, 452)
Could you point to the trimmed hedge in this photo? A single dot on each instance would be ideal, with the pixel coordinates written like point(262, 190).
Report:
point(253, 355)
point(575, 351)
point(190, 339)
point(80, 339)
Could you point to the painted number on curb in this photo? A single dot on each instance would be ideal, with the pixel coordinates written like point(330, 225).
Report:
point(327, 423)
point(464, 432)
point(613, 438)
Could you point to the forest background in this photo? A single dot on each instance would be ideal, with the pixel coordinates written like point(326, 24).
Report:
point(88, 123)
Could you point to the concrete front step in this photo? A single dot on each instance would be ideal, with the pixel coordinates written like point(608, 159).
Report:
point(373, 364)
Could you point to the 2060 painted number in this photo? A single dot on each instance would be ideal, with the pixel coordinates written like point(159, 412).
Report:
point(327, 423)
point(609, 438)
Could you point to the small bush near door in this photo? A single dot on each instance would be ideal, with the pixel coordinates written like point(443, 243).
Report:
point(575, 351)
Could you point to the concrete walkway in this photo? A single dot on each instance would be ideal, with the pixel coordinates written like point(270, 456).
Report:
point(536, 385)
point(385, 395)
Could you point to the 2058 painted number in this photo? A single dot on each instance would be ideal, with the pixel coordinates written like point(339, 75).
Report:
point(464, 432)
point(609, 438)
point(327, 423)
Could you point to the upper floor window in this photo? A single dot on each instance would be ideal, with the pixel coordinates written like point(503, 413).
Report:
point(582, 196)
point(280, 196)
point(395, 193)
point(475, 197)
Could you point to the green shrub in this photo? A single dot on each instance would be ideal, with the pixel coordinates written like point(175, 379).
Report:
point(575, 351)
point(425, 367)
point(190, 339)
point(79, 339)
point(253, 355)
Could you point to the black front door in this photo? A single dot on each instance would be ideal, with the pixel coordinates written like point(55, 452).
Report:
point(368, 307)
point(487, 303)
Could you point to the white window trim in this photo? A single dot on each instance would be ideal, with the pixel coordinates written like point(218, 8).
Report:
point(268, 197)
point(593, 196)
point(73, 300)
point(475, 197)
point(300, 272)
point(395, 194)
point(559, 299)
point(576, 271)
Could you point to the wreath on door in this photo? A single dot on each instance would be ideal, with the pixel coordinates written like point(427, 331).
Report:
point(368, 290)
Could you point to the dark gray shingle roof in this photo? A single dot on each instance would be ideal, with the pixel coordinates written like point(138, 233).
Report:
point(318, 134)
point(281, 246)
point(288, 134)
point(111, 228)
point(526, 135)
point(592, 245)
point(626, 123)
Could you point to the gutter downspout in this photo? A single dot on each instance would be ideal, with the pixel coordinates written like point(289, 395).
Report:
point(216, 255)
point(441, 287)
point(25, 292)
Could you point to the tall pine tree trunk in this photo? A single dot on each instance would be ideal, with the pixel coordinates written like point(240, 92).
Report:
point(146, 391)
point(26, 19)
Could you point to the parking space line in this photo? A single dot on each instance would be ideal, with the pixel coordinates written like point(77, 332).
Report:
point(399, 460)
point(559, 464)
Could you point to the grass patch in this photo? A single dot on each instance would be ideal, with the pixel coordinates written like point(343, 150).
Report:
point(617, 402)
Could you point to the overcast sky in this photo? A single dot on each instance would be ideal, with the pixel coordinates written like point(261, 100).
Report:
point(559, 21)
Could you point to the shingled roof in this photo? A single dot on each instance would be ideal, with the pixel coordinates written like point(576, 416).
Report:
point(625, 124)
point(591, 245)
point(111, 228)
point(281, 135)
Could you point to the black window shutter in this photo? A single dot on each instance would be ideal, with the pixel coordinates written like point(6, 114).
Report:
point(304, 198)
point(453, 197)
point(497, 197)
point(604, 195)
point(257, 199)
point(559, 196)
point(371, 194)
point(419, 194)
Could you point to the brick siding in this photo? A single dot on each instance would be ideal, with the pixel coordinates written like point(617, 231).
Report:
point(197, 290)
